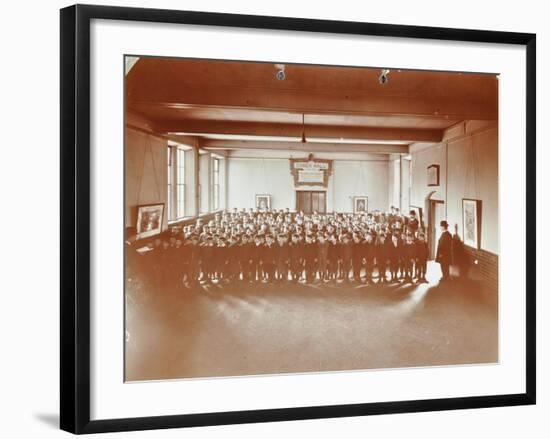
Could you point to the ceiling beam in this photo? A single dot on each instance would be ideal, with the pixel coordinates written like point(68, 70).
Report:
point(274, 155)
point(205, 127)
point(319, 102)
point(228, 145)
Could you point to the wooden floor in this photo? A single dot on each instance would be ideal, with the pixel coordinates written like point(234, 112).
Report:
point(242, 329)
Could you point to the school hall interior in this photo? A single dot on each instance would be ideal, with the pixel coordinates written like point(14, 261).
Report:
point(205, 137)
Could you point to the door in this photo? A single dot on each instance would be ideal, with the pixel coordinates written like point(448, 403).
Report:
point(311, 201)
point(318, 203)
point(436, 215)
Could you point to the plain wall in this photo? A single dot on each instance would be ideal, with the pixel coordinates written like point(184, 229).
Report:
point(145, 173)
point(394, 182)
point(250, 176)
point(404, 183)
point(468, 169)
point(247, 177)
point(472, 172)
point(359, 178)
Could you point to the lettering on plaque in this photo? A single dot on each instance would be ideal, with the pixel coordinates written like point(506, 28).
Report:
point(310, 171)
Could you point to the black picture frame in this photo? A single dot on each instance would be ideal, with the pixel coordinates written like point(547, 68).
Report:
point(357, 200)
point(429, 170)
point(75, 217)
point(142, 234)
point(259, 197)
point(477, 226)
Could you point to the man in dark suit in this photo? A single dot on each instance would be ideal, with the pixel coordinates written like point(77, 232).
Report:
point(444, 250)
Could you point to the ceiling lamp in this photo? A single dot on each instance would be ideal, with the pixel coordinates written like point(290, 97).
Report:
point(280, 74)
point(384, 76)
point(303, 129)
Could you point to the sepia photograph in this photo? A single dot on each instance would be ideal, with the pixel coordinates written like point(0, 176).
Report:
point(471, 223)
point(149, 220)
point(360, 204)
point(298, 218)
point(263, 202)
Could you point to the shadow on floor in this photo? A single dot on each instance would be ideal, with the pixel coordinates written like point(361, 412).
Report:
point(49, 419)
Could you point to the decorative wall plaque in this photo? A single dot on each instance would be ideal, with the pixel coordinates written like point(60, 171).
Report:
point(310, 171)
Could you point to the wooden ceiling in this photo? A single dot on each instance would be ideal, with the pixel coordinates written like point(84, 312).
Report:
point(345, 105)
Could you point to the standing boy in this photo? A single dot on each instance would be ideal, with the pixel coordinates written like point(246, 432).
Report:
point(322, 256)
point(394, 256)
point(296, 266)
point(282, 253)
point(421, 258)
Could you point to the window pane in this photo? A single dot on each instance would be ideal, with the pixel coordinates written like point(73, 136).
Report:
point(216, 197)
point(168, 203)
point(169, 182)
point(181, 166)
point(181, 201)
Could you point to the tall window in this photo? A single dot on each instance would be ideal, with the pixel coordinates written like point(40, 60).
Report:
point(216, 187)
point(180, 160)
point(175, 205)
point(170, 174)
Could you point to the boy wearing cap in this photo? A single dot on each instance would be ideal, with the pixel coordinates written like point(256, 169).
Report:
point(332, 257)
point(269, 259)
point(346, 255)
point(207, 257)
point(221, 260)
point(421, 258)
point(257, 258)
point(232, 264)
point(282, 252)
point(310, 253)
point(357, 256)
point(394, 256)
point(322, 256)
point(296, 266)
point(250, 261)
point(412, 223)
point(408, 258)
point(369, 253)
point(382, 256)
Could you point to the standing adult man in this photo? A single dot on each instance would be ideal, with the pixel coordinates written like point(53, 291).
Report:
point(444, 250)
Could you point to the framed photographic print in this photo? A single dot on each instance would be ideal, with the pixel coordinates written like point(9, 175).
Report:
point(263, 202)
point(204, 134)
point(471, 222)
point(360, 204)
point(433, 175)
point(149, 220)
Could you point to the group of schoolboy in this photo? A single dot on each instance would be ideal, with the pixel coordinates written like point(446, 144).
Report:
point(281, 246)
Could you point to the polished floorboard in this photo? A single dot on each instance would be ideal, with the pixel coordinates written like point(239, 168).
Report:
point(250, 329)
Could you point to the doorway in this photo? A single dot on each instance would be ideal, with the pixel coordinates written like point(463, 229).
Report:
point(311, 201)
point(436, 213)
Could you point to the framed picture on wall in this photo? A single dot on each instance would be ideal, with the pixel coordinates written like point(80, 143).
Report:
point(238, 65)
point(433, 175)
point(360, 204)
point(263, 202)
point(471, 222)
point(149, 220)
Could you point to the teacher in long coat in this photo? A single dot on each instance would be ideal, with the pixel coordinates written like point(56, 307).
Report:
point(444, 250)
